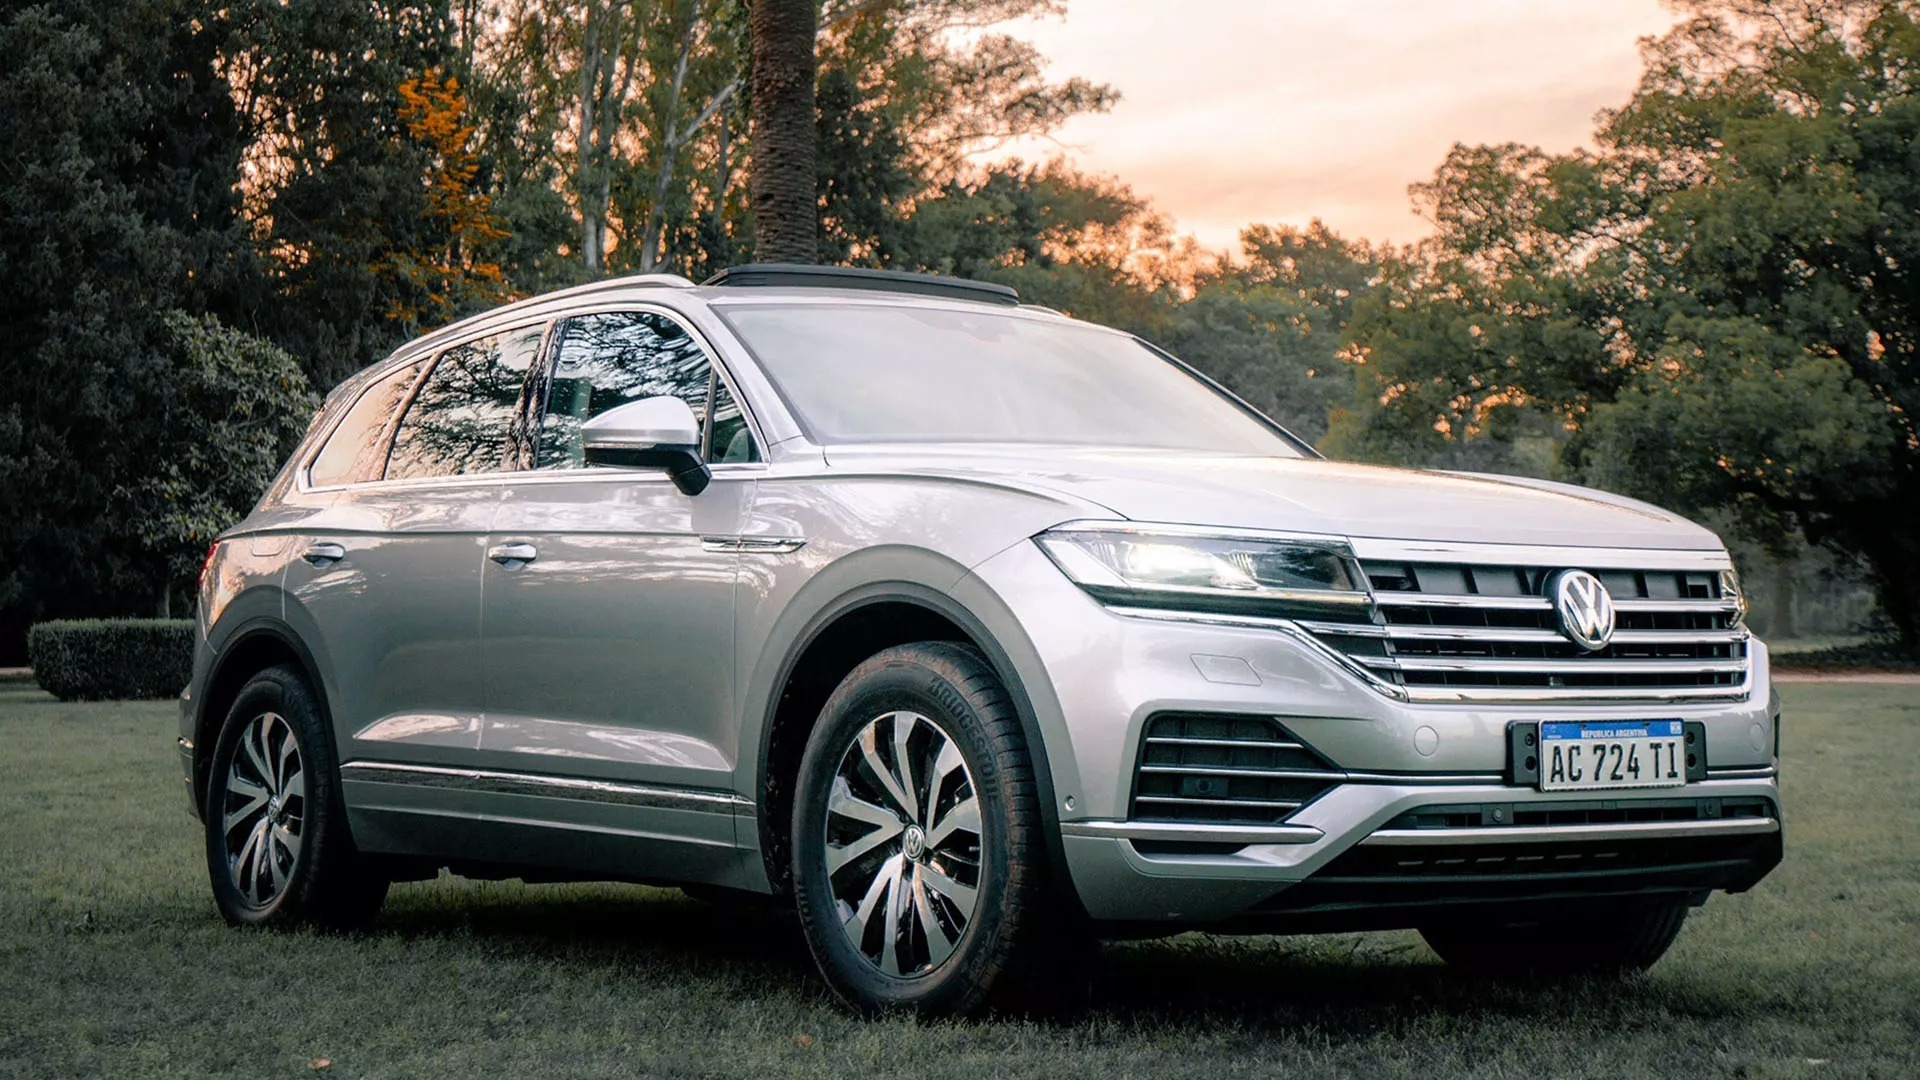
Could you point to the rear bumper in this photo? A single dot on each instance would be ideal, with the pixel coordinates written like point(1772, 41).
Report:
point(1352, 860)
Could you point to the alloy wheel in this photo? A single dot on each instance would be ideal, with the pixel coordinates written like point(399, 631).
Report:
point(903, 844)
point(264, 818)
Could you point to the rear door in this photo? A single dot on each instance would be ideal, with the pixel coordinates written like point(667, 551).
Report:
point(607, 612)
point(386, 577)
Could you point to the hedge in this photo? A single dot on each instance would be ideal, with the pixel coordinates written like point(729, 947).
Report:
point(96, 659)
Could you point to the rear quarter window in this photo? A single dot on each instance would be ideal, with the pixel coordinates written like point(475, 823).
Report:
point(356, 451)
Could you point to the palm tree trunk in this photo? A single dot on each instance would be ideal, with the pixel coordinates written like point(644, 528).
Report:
point(781, 180)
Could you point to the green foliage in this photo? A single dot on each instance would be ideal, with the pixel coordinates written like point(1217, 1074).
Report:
point(1719, 308)
point(111, 659)
point(230, 409)
point(1272, 328)
point(120, 152)
point(345, 188)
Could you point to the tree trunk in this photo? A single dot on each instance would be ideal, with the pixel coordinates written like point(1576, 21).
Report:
point(781, 180)
point(593, 221)
point(1783, 626)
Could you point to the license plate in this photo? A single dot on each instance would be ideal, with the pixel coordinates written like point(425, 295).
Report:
point(1590, 755)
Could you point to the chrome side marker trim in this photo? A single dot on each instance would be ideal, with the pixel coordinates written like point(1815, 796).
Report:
point(1198, 833)
point(550, 787)
point(759, 545)
point(1518, 834)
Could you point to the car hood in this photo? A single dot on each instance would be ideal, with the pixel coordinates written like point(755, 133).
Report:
point(1299, 494)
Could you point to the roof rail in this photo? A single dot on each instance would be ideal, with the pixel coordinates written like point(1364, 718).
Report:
point(795, 275)
point(461, 326)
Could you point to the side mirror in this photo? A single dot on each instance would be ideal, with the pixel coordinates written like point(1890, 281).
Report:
point(652, 433)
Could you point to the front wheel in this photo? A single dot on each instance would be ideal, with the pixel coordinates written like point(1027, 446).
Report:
point(1622, 942)
point(918, 854)
point(278, 849)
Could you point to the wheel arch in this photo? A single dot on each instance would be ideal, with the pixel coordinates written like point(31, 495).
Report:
point(250, 649)
point(854, 627)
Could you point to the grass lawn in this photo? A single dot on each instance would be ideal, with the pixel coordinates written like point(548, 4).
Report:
point(112, 960)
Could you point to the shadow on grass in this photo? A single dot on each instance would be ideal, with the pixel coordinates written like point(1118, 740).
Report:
point(1346, 987)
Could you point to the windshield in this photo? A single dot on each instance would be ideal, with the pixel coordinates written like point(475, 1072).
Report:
point(856, 373)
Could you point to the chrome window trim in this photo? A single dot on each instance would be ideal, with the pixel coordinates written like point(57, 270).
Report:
point(494, 782)
point(432, 345)
point(408, 354)
point(700, 337)
point(373, 375)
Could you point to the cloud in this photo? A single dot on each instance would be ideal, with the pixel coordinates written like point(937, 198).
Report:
point(1236, 111)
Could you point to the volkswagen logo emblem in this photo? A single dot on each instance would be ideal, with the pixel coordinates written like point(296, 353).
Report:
point(1585, 609)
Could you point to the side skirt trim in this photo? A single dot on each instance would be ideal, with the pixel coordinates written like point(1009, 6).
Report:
point(551, 787)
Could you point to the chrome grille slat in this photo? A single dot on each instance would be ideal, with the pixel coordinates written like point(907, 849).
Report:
point(1701, 607)
point(1262, 804)
point(1475, 601)
point(1170, 740)
point(1519, 634)
point(1552, 667)
point(1210, 770)
point(1448, 695)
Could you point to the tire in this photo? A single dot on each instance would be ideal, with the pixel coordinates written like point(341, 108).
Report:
point(939, 870)
point(278, 849)
point(1619, 943)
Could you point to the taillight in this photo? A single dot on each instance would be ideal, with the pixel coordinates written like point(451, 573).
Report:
point(207, 565)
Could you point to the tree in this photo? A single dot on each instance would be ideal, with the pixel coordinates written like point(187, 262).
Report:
point(908, 92)
point(1272, 328)
point(782, 174)
point(1719, 307)
point(229, 407)
point(120, 160)
point(340, 181)
point(449, 271)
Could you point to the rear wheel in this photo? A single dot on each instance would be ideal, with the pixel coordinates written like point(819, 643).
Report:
point(918, 856)
point(1614, 943)
point(278, 849)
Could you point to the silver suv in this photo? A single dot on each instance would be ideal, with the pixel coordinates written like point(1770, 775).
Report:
point(972, 631)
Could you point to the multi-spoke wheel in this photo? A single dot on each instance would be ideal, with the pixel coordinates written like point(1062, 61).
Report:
point(265, 805)
point(903, 843)
point(278, 849)
point(917, 852)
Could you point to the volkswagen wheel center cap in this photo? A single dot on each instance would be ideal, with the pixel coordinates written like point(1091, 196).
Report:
point(1585, 609)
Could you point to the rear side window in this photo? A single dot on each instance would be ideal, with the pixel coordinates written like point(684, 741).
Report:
point(461, 421)
point(604, 361)
point(354, 452)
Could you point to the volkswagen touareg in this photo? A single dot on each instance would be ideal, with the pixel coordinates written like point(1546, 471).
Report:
point(972, 631)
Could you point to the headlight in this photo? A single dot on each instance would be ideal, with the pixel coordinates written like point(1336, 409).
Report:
point(1730, 589)
point(1169, 569)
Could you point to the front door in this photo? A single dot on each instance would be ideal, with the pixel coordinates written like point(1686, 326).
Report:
point(607, 618)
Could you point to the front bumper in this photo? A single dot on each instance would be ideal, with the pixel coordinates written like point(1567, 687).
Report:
point(1304, 872)
point(1096, 678)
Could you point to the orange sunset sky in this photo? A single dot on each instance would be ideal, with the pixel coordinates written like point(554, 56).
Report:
point(1237, 111)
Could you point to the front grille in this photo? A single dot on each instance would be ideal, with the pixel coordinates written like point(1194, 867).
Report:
point(1471, 632)
point(1225, 769)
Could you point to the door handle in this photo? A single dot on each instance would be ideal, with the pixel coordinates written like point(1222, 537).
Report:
point(324, 553)
point(513, 555)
